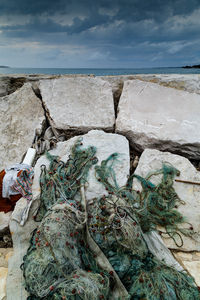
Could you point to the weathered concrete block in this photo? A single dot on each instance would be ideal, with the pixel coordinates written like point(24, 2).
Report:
point(152, 160)
point(21, 113)
point(153, 116)
point(81, 103)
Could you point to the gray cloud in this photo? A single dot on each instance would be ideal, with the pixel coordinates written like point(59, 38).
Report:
point(129, 33)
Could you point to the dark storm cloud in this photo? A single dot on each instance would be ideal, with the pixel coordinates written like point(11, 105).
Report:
point(30, 7)
point(122, 31)
point(138, 9)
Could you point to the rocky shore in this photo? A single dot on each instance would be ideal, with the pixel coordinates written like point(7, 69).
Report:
point(147, 119)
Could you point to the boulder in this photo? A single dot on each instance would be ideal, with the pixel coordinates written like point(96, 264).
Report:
point(191, 262)
point(3, 276)
point(106, 144)
point(78, 103)
point(153, 116)
point(21, 114)
point(4, 221)
point(185, 82)
point(21, 236)
point(5, 254)
point(4, 83)
point(10, 83)
point(151, 160)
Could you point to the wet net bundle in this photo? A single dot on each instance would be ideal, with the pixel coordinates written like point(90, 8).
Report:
point(74, 237)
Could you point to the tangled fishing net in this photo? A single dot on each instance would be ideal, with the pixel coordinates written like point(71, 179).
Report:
point(74, 237)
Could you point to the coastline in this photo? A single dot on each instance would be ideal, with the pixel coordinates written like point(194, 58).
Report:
point(99, 71)
point(188, 82)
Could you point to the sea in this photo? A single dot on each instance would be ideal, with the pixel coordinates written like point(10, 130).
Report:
point(99, 71)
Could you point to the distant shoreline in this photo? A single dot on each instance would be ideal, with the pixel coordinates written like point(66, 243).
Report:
point(4, 67)
point(191, 67)
point(98, 71)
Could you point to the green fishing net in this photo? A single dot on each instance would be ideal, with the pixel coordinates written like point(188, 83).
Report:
point(61, 262)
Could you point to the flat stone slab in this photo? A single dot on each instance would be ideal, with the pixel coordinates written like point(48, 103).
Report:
point(82, 103)
point(21, 113)
point(151, 160)
point(153, 116)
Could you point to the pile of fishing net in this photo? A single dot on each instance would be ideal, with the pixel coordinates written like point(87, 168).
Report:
point(95, 249)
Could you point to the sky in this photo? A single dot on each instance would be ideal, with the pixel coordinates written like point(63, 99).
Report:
point(99, 33)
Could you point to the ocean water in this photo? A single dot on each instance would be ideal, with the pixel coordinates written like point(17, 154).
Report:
point(98, 72)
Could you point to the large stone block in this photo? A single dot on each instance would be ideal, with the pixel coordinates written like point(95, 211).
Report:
point(21, 236)
point(153, 116)
point(151, 160)
point(21, 113)
point(185, 82)
point(81, 103)
point(106, 144)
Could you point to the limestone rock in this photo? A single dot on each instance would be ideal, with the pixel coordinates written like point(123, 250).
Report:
point(185, 82)
point(151, 160)
point(8, 255)
point(10, 83)
point(183, 256)
point(21, 114)
point(80, 103)
point(4, 82)
point(21, 237)
point(4, 220)
point(3, 276)
point(5, 254)
point(152, 116)
point(191, 262)
point(193, 267)
point(106, 144)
